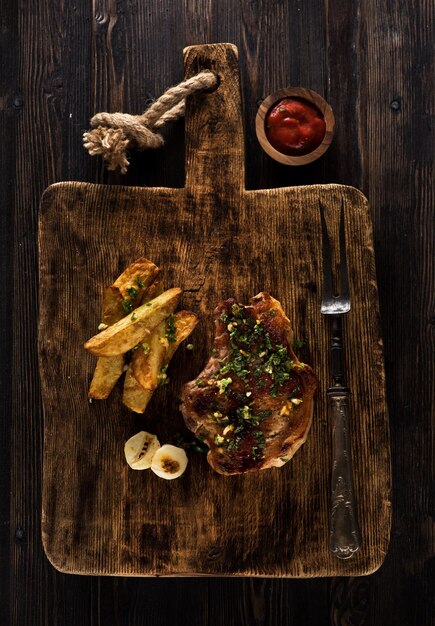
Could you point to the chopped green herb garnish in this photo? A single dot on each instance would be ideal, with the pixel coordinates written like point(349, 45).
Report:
point(132, 292)
point(223, 384)
point(171, 331)
point(233, 444)
point(259, 435)
point(239, 365)
point(257, 450)
point(245, 413)
point(163, 378)
point(199, 446)
point(253, 353)
point(127, 305)
point(133, 316)
point(139, 282)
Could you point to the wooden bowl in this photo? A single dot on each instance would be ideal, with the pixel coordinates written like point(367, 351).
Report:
point(303, 94)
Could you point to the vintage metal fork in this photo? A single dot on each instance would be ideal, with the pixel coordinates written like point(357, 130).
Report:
point(344, 533)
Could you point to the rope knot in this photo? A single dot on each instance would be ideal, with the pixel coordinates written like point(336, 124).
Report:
point(113, 134)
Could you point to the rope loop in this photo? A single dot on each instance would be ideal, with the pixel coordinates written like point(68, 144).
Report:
point(114, 134)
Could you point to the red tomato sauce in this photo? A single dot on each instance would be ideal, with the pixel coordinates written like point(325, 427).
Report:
point(295, 127)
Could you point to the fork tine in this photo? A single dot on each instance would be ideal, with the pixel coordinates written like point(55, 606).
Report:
point(333, 303)
point(326, 258)
point(344, 278)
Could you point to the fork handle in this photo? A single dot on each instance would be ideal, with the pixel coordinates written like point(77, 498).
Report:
point(336, 351)
point(344, 533)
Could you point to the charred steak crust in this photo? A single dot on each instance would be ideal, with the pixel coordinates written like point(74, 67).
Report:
point(253, 402)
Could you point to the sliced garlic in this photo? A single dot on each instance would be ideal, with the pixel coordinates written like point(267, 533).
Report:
point(140, 450)
point(169, 462)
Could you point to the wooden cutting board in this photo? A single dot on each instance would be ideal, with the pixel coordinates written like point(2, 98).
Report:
point(214, 239)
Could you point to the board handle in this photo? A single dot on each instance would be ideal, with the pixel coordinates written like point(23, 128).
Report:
point(215, 156)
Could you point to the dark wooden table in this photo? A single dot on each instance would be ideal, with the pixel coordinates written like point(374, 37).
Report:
point(374, 63)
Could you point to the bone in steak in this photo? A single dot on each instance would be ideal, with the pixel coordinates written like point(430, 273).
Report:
point(253, 403)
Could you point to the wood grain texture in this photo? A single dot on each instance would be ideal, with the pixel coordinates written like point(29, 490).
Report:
point(403, 198)
point(11, 104)
point(362, 56)
point(224, 241)
point(268, 601)
point(291, 39)
point(42, 132)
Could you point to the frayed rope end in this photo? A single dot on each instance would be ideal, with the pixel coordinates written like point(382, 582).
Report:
point(111, 144)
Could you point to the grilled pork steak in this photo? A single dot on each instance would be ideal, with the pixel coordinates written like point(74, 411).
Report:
point(253, 402)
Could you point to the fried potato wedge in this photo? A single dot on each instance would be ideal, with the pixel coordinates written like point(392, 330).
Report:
point(149, 358)
point(107, 373)
point(112, 306)
point(125, 294)
point(136, 279)
point(129, 331)
point(152, 356)
point(134, 396)
point(108, 369)
point(152, 292)
point(129, 289)
point(149, 361)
